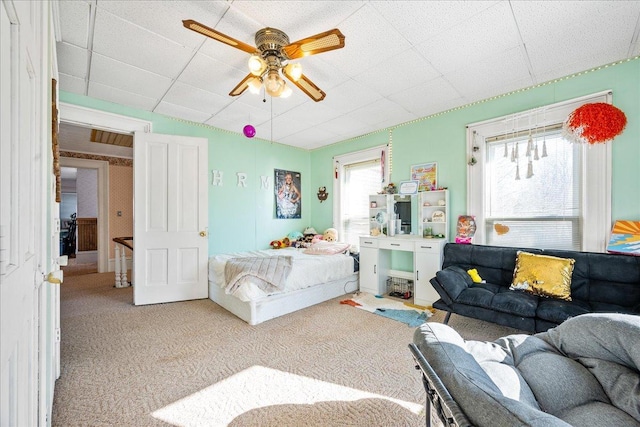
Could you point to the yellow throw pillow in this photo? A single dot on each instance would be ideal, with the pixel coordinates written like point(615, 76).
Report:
point(543, 275)
point(475, 276)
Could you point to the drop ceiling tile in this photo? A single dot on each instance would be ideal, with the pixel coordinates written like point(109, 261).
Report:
point(179, 112)
point(317, 111)
point(427, 18)
point(578, 30)
point(350, 95)
point(365, 44)
point(382, 113)
point(165, 17)
point(574, 51)
point(213, 76)
point(131, 44)
point(461, 45)
point(127, 77)
point(346, 127)
point(310, 139)
point(582, 64)
point(494, 74)
point(72, 59)
point(119, 96)
point(420, 99)
point(310, 17)
point(402, 71)
point(74, 22)
point(538, 19)
point(324, 75)
point(286, 124)
point(196, 99)
point(238, 114)
point(72, 84)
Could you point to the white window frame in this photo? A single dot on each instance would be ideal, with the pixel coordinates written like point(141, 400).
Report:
point(595, 174)
point(339, 163)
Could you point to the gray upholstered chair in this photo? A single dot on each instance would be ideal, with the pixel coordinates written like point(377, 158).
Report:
point(584, 372)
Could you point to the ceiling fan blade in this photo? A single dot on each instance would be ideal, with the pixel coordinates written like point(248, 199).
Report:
point(307, 86)
point(242, 86)
point(217, 35)
point(323, 42)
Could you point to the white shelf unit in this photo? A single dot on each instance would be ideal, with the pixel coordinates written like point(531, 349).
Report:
point(383, 203)
point(430, 202)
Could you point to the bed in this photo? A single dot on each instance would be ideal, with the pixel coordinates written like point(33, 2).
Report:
point(312, 277)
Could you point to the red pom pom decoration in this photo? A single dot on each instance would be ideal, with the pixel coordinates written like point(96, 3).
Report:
point(594, 123)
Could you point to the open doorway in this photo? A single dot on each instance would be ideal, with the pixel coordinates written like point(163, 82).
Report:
point(79, 220)
point(113, 162)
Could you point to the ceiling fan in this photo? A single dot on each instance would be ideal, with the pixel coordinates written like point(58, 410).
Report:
point(271, 58)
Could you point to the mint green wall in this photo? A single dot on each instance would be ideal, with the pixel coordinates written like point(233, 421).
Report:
point(239, 218)
point(244, 218)
point(442, 138)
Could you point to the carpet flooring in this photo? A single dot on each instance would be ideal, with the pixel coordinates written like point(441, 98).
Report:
point(193, 363)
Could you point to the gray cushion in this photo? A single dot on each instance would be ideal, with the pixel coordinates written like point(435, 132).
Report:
point(608, 346)
point(583, 373)
point(488, 391)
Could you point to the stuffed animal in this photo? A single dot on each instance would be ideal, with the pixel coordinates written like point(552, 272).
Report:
point(330, 235)
point(279, 244)
point(317, 238)
point(295, 235)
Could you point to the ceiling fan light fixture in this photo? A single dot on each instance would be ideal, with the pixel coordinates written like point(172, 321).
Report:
point(274, 85)
point(257, 65)
point(254, 85)
point(293, 71)
point(286, 92)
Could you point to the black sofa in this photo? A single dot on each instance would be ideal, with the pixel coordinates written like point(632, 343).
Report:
point(601, 283)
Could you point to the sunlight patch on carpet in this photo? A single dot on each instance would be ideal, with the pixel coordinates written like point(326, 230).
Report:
point(260, 387)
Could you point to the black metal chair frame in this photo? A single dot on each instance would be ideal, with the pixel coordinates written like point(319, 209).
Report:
point(439, 401)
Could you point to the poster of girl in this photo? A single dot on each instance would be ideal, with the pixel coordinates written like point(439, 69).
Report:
point(288, 196)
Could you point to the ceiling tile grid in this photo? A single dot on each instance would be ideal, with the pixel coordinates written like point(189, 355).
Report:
point(402, 60)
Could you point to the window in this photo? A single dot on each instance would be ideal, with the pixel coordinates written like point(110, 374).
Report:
point(530, 187)
point(359, 175)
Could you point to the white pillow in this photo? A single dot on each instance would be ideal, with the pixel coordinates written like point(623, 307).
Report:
point(327, 248)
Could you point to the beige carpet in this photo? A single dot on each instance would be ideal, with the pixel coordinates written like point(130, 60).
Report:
point(195, 364)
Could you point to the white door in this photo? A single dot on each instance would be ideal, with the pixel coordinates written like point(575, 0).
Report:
point(171, 214)
point(24, 132)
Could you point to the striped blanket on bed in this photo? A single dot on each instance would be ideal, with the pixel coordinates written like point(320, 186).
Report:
point(268, 273)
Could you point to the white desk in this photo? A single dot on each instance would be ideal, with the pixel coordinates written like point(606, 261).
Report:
point(375, 261)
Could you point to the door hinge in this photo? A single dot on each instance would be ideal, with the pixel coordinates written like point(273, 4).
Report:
point(57, 334)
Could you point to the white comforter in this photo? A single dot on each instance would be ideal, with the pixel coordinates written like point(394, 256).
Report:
point(307, 270)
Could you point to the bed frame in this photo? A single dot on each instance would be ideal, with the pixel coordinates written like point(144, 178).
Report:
point(255, 312)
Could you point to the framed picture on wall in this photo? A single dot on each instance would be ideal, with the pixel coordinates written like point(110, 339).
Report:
point(427, 176)
point(408, 187)
point(287, 194)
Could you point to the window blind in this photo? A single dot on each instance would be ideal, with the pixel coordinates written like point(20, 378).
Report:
point(543, 207)
point(359, 181)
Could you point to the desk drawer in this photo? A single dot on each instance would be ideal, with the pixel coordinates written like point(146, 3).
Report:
point(427, 246)
point(396, 245)
point(368, 242)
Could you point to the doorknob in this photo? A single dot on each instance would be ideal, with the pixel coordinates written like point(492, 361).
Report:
point(203, 234)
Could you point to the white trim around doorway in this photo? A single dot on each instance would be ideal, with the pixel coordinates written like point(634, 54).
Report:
point(87, 117)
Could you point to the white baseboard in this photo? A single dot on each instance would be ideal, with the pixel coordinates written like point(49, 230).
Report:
point(112, 264)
